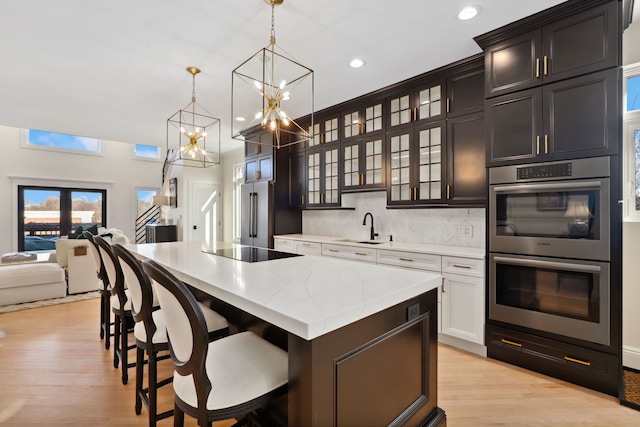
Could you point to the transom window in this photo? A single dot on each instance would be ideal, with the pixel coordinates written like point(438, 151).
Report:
point(142, 151)
point(60, 141)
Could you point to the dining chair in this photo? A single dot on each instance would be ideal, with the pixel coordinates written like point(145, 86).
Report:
point(121, 308)
point(150, 331)
point(104, 290)
point(232, 377)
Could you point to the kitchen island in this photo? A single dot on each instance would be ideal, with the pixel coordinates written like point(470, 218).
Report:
point(362, 339)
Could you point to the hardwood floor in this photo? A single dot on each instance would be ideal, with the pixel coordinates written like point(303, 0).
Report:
point(54, 370)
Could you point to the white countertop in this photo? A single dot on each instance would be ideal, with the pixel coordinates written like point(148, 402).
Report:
point(306, 295)
point(461, 251)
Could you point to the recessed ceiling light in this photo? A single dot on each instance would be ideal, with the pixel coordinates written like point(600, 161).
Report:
point(469, 12)
point(240, 119)
point(356, 63)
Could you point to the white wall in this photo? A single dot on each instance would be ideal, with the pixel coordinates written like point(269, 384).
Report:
point(229, 160)
point(631, 243)
point(433, 226)
point(115, 170)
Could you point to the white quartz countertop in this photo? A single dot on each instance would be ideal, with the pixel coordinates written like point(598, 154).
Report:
point(461, 251)
point(306, 295)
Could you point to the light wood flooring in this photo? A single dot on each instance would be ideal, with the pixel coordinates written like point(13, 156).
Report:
point(54, 370)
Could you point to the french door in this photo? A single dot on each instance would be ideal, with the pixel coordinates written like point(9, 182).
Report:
point(47, 213)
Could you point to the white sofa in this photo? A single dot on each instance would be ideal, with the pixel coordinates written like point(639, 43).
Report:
point(31, 282)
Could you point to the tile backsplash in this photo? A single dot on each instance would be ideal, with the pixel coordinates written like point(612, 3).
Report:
point(438, 226)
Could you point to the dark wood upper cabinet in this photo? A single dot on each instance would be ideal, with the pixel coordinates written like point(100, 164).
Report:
point(419, 103)
point(466, 172)
point(322, 176)
point(465, 92)
point(259, 158)
point(365, 118)
point(578, 44)
point(569, 119)
point(363, 163)
point(416, 171)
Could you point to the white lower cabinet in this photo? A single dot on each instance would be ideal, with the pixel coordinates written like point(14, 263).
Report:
point(462, 313)
point(309, 248)
point(297, 246)
point(285, 245)
point(354, 253)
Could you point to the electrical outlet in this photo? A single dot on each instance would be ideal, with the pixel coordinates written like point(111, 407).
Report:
point(463, 230)
point(413, 311)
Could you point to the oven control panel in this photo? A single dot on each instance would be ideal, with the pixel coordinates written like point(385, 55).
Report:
point(556, 170)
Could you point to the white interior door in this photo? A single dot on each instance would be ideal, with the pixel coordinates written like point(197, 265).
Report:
point(205, 212)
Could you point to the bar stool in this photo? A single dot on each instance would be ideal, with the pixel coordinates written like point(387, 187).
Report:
point(150, 331)
point(233, 377)
point(121, 308)
point(105, 291)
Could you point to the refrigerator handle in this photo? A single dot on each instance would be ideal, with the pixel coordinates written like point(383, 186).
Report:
point(251, 215)
point(254, 215)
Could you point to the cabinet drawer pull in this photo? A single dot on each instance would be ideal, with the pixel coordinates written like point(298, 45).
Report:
point(537, 68)
point(461, 266)
point(581, 362)
point(546, 144)
point(545, 65)
point(306, 244)
point(360, 253)
point(513, 343)
point(406, 259)
point(333, 250)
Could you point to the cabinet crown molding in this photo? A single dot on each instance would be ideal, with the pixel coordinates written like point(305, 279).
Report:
point(533, 22)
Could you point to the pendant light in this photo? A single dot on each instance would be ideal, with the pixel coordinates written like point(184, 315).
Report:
point(188, 132)
point(270, 91)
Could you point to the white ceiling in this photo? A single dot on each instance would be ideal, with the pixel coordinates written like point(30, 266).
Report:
point(115, 69)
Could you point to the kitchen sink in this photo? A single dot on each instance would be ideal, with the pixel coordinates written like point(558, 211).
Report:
point(367, 242)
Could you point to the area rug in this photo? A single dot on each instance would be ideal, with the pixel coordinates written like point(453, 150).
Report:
point(47, 302)
point(632, 388)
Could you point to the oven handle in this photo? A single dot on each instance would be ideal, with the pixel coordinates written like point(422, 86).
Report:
point(558, 186)
point(549, 264)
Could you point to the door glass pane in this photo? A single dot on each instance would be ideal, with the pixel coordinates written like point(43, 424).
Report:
point(400, 172)
point(430, 163)
point(86, 210)
point(41, 219)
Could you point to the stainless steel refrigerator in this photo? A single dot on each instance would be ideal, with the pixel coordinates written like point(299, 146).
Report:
point(256, 207)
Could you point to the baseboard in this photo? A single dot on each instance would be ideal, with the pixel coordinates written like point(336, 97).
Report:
point(471, 347)
point(631, 357)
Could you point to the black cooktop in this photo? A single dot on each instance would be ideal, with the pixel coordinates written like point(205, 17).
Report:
point(251, 254)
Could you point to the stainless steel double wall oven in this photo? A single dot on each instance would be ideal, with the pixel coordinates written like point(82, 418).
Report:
point(549, 244)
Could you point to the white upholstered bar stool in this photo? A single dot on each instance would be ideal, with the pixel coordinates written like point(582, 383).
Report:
point(233, 377)
point(150, 331)
point(105, 291)
point(121, 308)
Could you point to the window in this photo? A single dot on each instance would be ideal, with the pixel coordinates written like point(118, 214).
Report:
point(238, 180)
point(631, 141)
point(59, 141)
point(146, 152)
point(48, 213)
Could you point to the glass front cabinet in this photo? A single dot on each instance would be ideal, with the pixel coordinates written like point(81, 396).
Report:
point(416, 159)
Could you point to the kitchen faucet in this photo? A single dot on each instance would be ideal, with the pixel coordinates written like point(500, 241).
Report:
point(364, 222)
